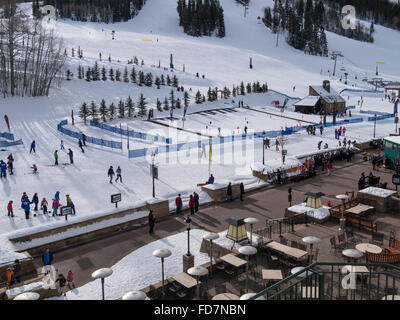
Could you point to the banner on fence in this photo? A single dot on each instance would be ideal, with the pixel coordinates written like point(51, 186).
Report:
point(6, 135)
point(10, 143)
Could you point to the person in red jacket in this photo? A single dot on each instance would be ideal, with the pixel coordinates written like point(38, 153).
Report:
point(178, 203)
point(191, 204)
point(10, 209)
point(24, 195)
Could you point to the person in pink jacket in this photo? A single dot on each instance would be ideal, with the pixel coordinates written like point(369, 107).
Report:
point(55, 206)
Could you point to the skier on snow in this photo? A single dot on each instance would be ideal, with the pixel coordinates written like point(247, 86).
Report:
point(111, 173)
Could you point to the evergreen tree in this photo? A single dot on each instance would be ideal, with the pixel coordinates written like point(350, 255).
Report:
point(168, 81)
point(234, 91)
point(162, 80)
point(68, 74)
point(175, 81)
point(117, 75)
point(186, 99)
point(136, 61)
point(166, 105)
point(203, 98)
point(159, 105)
point(111, 111)
point(242, 89)
point(100, 56)
point(121, 109)
point(157, 82)
point(141, 78)
point(111, 74)
point(142, 105)
point(130, 107)
point(149, 79)
point(103, 111)
point(109, 58)
point(94, 112)
point(103, 74)
point(73, 52)
point(95, 72)
point(84, 112)
point(172, 98)
point(133, 75)
point(198, 97)
point(88, 75)
point(126, 79)
point(178, 103)
point(80, 72)
point(209, 95)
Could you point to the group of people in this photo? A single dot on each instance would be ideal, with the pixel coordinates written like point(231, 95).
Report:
point(194, 202)
point(4, 166)
point(111, 174)
point(339, 132)
point(26, 205)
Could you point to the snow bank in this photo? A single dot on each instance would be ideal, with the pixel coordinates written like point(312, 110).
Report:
point(320, 213)
point(377, 192)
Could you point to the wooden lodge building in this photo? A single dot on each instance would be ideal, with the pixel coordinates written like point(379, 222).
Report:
point(321, 100)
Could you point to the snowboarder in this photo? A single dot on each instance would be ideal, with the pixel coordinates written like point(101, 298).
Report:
point(62, 145)
point(33, 146)
point(70, 280)
point(191, 204)
point(84, 139)
point(26, 206)
point(196, 201)
point(80, 145)
point(56, 158)
point(35, 169)
point(111, 173)
point(10, 209)
point(178, 203)
point(118, 171)
point(35, 200)
point(229, 192)
point(151, 221)
point(241, 191)
point(44, 205)
point(71, 156)
point(70, 204)
point(55, 206)
point(3, 169)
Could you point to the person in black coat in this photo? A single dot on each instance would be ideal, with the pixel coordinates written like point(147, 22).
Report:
point(35, 200)
point(196, 201)
point(80, 145)
point(229, 192)
point(151, 221)
point(71, 156)
point(84, 139)
point(241, 191)
point(17, 270)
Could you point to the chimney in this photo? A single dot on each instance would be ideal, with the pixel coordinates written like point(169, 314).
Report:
point(326, 85)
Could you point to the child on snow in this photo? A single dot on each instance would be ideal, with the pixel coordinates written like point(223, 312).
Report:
point(43, 205)
point(10, 209)
point(70, 280)
point(35, 169)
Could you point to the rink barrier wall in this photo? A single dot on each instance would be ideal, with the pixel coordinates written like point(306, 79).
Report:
point(131, 133)
point(381, 117)
point(160, 210)
point(78, 135)
point(379, 113)
point(7, 135)
point(10, 143)
point(137, 153)
point(350, 107)
point(361, 91)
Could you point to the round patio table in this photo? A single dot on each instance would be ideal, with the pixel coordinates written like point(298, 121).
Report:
point(226, 296)
point(352, 253)
point(364, 247)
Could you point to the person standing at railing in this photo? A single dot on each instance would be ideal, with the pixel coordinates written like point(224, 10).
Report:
point(47, 257)
point(17, 271)
point(10, 277)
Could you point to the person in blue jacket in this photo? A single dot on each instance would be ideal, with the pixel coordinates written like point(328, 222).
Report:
point(57, 195)
point(33, 145)
point(47, 257)
point(3, 169)
point(26, 206)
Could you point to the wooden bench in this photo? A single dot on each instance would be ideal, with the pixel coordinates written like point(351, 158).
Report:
point(361, 222)
point(382, 258)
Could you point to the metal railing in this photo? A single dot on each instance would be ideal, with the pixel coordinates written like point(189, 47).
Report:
point(276, 226)
point(337, 281)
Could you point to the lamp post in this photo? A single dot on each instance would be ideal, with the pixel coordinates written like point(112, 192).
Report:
point(152, 172)
point(374, 123)
point(211, 236)
point(162, 253)
point(251, 221)
point(263, 146)
point(102, 274)
point(247, 251)
point(188, 222)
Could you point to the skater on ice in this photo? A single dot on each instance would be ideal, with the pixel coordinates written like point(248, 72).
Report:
point(111, 173)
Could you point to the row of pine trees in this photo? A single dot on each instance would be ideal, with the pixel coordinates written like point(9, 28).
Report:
point(108, 11)
point(201, 17)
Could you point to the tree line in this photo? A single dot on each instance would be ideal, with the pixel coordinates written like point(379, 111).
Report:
point(108, 11)
point(201, 17)
point(31, 56)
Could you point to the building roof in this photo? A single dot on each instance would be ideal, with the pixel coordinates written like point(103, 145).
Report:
point(393, 139)
point(308, 101)
point(329, 97)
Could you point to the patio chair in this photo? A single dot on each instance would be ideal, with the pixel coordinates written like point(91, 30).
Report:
point(350, 237)
point(229, 271)
point(221, 266)
point(334, 245)
point(377, 238)
point(342, 239)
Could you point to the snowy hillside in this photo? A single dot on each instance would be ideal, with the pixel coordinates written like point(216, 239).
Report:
point(152, 36)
